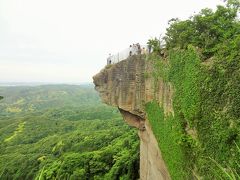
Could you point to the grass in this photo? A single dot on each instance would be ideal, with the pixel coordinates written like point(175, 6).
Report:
point(228, 172)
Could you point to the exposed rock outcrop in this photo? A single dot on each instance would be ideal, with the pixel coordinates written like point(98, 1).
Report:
point(126, 85)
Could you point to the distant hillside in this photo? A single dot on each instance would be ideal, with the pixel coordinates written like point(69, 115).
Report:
point(63, 132)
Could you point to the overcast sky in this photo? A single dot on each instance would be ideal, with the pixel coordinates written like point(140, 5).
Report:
point(68, 41)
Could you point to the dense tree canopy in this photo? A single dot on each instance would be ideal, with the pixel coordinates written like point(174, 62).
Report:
point(208, 30)
point(64, 132)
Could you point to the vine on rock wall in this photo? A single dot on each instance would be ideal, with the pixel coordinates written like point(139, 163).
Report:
point(203, 64)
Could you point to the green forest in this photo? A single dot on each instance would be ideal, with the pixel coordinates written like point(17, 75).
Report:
point(64, 132)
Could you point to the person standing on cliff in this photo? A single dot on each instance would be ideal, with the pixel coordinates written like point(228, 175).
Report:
point(109, 59)
point(149, 48)
point(138, 48)
point(134, 49)
point(130, 50)
point(143, 51)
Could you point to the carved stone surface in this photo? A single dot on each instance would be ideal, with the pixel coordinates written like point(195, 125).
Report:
point(126, 85)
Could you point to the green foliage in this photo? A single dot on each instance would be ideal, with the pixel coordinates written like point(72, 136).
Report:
point(1, 97)
point(233, 4)
point(207, 30)
point(161, 67)
point(203, 64)
point(220, 112)
point(185, 74)
point(64, 132)
point(109, 162)
point(168, 132)
point(183, 71)
point(154, 44)
point(229, 173)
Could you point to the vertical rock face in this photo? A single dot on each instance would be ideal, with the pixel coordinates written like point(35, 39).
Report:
point(126, 85)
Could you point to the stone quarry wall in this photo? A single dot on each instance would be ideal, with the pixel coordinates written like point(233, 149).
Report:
point(126, 86)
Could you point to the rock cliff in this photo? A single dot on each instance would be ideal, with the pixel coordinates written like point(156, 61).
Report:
point(126, 85)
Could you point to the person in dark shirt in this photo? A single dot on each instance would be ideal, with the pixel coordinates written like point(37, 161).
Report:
point(109, 61)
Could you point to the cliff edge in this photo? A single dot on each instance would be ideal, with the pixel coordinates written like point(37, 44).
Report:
point(126, 85)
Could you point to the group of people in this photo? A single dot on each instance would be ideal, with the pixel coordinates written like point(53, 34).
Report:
point(133, 49)
point(137, 49)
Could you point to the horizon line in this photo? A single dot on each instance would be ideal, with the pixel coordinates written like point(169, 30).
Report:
point(35, 83)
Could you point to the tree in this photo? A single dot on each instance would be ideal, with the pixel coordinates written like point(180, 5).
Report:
point(206, 30)
point(235, 4)
point(154, 44)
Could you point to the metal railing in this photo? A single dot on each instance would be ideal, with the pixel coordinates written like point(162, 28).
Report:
point(124, 54)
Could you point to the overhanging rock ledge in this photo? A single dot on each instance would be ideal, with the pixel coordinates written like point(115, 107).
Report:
point(126, 86)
